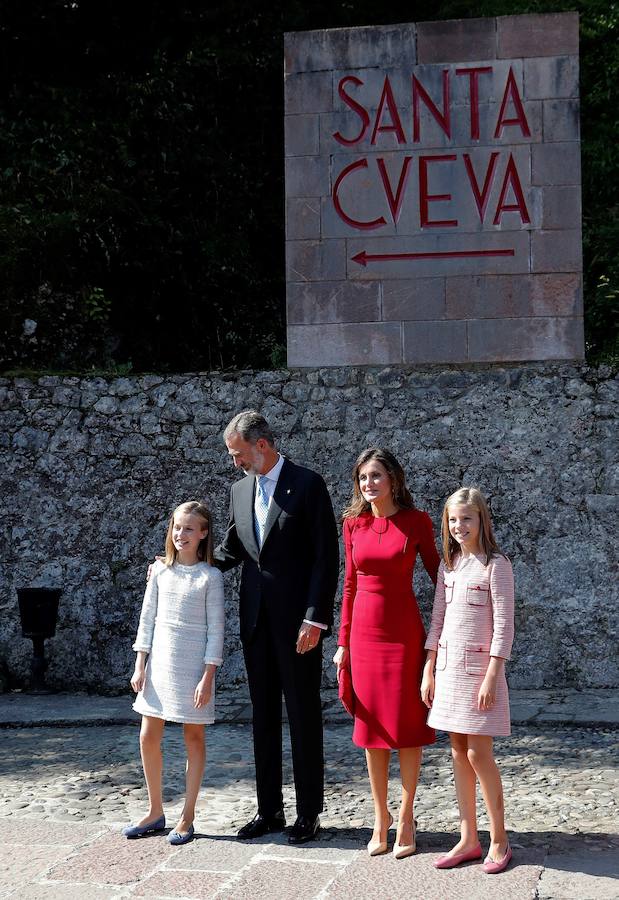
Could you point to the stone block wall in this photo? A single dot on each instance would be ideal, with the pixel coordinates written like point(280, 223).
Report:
point(402, 206)
point(90, 469)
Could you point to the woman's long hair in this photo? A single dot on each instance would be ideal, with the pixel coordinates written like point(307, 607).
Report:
point(205, 547)
point(468, 496)
point(401, 494)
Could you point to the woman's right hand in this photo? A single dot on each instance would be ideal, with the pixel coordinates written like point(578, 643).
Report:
point(341, 659)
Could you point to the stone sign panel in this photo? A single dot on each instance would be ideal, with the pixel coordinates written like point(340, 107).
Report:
point(433, 192)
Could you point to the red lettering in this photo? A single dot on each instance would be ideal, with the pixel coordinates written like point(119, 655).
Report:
point(443, 118)
point(512, 179)
point(396, 126)
point(481, 197)
point(511, 195)
point(425, 198)
point(395, 203)
point(474, 95)
point(356, 107)
point(511, 93)
point(363, 226)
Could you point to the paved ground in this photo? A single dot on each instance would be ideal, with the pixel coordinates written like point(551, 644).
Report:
point(70, 778)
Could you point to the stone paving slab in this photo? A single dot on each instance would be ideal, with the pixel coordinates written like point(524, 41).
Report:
point(201, 885)
point(213, 854)
point(415, 878)
point(112, 859)
point(30, 833)
point(270, 877)
point(588, 874)
point(22, 709)
point(58, 891)
point(22, 864)
point(339, 850)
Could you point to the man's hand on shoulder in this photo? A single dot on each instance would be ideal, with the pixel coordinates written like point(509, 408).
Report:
point(149, 571)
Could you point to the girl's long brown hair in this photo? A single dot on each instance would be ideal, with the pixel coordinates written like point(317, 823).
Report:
point(468, 496)
point(205, 547)
point(401, 494)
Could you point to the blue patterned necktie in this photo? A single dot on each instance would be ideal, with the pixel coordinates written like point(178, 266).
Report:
point(261, 508)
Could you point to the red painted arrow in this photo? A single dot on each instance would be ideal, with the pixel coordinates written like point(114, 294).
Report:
point(364, 258)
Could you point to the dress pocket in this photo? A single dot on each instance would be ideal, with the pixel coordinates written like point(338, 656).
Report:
point(477, 593)
point(441, 656)
point(476, 659)
point(448, 581)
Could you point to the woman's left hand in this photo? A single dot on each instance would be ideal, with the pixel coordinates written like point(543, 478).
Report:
point(487, 693)
point(203, 691)
point(427, 687)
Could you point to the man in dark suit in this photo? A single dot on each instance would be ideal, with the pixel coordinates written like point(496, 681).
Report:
point(283, 532)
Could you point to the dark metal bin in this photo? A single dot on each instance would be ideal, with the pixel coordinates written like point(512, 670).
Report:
point(38, 610)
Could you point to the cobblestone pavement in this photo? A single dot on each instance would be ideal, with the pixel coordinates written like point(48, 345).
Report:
point(65, 792)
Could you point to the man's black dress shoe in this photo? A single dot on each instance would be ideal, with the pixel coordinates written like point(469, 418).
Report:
point(304, 830)
point(260, 825)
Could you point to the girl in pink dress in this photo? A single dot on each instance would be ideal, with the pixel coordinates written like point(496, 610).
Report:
point(470, 638)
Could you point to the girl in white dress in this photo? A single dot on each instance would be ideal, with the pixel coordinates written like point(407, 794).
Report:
point(179, 646)
point(470, 638)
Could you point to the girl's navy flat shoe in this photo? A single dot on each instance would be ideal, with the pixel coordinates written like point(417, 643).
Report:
point(176, 838)
point(135, 831)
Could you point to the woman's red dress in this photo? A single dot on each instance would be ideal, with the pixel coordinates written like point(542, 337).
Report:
point(382, 627)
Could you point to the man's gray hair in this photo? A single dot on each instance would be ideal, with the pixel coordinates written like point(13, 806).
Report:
point(250, 426)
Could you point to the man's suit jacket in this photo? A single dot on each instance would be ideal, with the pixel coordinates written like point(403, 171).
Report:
point(295, 572)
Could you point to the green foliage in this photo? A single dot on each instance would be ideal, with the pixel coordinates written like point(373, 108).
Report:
point(97, 306)
point(600, 167)
point(141, 177)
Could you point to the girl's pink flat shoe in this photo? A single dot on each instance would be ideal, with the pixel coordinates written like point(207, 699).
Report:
point(491, 867)
point(450, 862)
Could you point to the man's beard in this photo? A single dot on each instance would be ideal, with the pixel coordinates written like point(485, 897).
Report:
point(255, 465)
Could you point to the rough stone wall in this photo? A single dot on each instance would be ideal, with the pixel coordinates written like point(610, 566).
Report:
point(91, 468)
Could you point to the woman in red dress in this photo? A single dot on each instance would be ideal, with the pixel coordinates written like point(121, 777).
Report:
point(381, 635)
